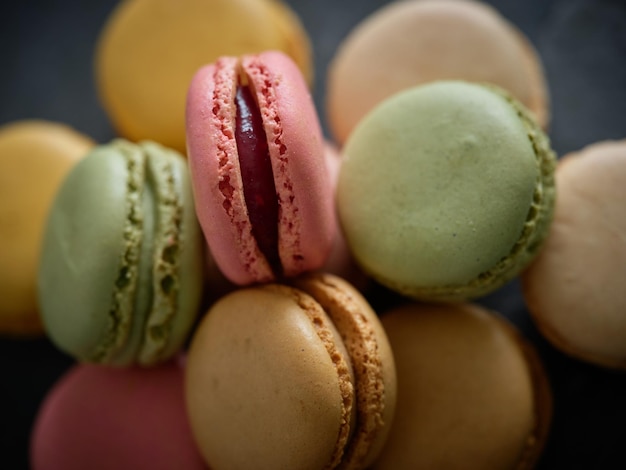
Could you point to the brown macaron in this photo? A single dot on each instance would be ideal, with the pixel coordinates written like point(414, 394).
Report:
point(291, 377)
point(472, 392)
point(575, 288)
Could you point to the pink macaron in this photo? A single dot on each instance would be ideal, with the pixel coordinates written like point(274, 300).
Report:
point(102, 418)
point(256, 153)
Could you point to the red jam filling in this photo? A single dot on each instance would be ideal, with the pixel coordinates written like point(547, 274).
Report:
point(256, 173)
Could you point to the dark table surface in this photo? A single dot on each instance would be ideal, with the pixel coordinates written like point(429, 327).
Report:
point(47, 49)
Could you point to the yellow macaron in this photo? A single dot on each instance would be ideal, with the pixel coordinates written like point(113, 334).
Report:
point(149, 50)
point(34, 158)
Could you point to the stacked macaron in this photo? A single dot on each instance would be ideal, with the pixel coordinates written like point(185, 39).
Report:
point(439, 189)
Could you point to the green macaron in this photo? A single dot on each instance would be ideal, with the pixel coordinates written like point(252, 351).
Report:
point(446, 190)
point(120, 273)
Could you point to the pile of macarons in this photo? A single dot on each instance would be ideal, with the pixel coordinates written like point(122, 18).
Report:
point(239, 290)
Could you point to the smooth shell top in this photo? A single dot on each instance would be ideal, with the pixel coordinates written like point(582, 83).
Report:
point(575, 288)
point(470, 391)
point(102, 417)
point(423, 41)
point(445, 190)
point(284, 377)
point(149, 50)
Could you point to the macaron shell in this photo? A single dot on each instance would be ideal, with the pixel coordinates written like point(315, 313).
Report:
point(110, 419)
point(446, 190)
point(216, 178)
point(372, 362)
point(424, 41)
point(306, 217)
point(72, 233)
point(177, 261)
point(261, 388)
point(148, 51)
point(35, 157)
point(306, 214)
point(575, 287)
point(468, 391)
point(123, 287)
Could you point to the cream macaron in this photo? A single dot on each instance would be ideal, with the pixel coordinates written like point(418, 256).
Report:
point(409, 43)
point(472, 392)
point(575, 287)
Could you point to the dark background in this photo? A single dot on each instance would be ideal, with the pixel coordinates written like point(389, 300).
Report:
point(46, 72)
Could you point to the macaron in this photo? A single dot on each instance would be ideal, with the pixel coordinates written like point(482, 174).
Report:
point(115, 419)
point(256, 154)
point(148, 50)
point(446, 190)
point(297, 376)
point(409, 43)
point(472, 392)
point(120, 273)
point(575, 288)
point(35, 156)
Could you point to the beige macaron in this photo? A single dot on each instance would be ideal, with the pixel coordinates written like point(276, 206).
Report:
point(472, 393)
point(35, 156)
point(576, 287)
point(291, 377)
point(149, 50)
point(412, 42)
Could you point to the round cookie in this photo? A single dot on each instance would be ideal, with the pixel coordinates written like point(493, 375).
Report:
point(472, 392)
point(575, 287)
point(291, 377)
point(35, 156)
point(414, 42)
point(113, 419)
point(149, 50)
point(446, 190)
point(121, 270)
point(263, 193)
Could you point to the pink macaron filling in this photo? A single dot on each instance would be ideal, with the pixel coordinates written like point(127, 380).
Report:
point(257, 176)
